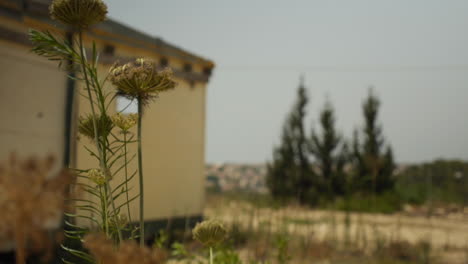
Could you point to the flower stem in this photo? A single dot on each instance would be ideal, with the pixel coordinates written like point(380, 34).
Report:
point(105, 220)
point(126, 175)
point(96, 136)
point(211, 255)
point(140, 174)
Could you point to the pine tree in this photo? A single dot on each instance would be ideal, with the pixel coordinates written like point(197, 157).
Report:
point(374, 157)
point(357, 163)
point(324, 149)
point(343, 159)
point(280, 178)
point(290, 174)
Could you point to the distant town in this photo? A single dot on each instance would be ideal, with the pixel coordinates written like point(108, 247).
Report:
point(236, 177)
point(228, 177)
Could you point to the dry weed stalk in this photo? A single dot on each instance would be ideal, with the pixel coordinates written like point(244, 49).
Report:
point(32, 201)
point(106, 252)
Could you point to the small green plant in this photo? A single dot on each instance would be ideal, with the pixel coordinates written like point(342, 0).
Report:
point(226, 255)
point(180, 252)
point(282, 246)
point(161, 240)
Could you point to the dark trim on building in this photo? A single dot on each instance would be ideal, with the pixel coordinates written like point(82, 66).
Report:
point(23, 39)
point(14, 36)
point(39, 9)
point(69, 107)
point(170, 225)
point(11, 11)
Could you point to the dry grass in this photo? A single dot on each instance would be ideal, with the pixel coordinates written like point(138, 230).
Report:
point(321, 234)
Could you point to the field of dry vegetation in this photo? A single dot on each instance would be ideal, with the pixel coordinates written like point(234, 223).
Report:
point(303, 235)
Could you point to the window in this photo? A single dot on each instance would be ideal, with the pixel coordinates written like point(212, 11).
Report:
point(207, 71)
point(109, 50)
point(164, 62)
point(187, 67)
point(126, 106)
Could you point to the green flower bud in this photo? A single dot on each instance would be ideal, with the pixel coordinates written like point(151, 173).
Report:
point(97, 177)
point(103, 123)
point(210, 233)
point(124, 122)
point(119, 221)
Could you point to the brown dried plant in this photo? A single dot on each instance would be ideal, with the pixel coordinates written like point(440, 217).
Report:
point(106, 252)
point(79, 14)
point(32, 201)
point(141, 80)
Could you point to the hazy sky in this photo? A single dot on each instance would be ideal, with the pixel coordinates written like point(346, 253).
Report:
point(414, 52)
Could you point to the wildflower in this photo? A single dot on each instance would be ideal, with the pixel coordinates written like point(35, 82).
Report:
point(124, 122)
point(141, 80)
point(80, 14)
point(32, 202)
point(97, 177)
point(103, 123)
point(119, 221)
point(128, 251)
point(210, 233)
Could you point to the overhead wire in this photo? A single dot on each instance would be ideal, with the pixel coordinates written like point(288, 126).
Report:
point(344, 68)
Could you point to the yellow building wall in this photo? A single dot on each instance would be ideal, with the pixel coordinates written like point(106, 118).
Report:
point(173, 138)
point(173, 152)
point(32, 104)
point(32, 110)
